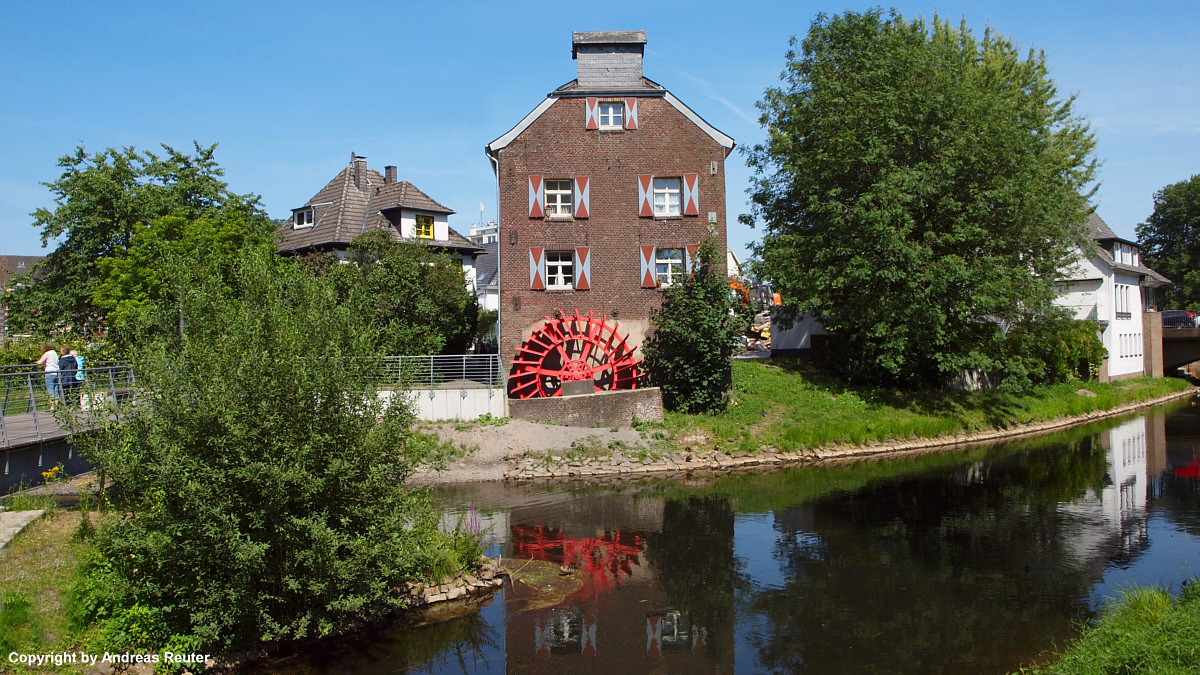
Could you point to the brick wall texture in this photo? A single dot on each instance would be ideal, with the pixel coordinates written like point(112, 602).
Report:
point(556, 146)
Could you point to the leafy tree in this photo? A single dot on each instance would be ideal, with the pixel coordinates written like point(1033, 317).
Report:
point(689, 352)
point(101, 200)
point(144, 274)
point(1170, 241)
point(265, 479)
point(416, 298)
point(920, 188)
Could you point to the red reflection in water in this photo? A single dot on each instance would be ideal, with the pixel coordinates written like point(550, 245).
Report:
point(604, 559)
point(1192, 470)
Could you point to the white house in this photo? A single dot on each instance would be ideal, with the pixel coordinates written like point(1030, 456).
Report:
point(1114, 289)
point(359, 200)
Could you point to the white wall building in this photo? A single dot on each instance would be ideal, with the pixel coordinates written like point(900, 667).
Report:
point(1113, 288)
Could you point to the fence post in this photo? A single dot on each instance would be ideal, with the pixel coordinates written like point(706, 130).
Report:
point(37, 429)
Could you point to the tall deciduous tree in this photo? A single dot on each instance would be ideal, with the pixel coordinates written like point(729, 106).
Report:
point(921, 188)
point(1170, 241)
point(101, 201)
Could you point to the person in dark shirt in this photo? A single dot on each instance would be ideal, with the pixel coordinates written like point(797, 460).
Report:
point(68, 367)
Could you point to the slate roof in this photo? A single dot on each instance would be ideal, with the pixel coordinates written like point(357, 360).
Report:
point(487, 265)
point(342, 211)
point(1099, 231)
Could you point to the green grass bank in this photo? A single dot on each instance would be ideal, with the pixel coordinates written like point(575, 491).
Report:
point(788, 405)
point(1145, 631)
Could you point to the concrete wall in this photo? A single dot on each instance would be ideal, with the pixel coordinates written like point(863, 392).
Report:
point(452, 404)
point(602, 409)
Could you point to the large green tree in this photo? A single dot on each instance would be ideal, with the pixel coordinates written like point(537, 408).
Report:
point(416, 298)
point(101, 202)
point(921, 189)
point(1170, 241)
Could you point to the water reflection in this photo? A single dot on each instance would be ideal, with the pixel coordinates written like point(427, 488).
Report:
point(968, 562)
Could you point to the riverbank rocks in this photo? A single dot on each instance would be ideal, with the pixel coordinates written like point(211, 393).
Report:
point(687, 462)
point(462, 585)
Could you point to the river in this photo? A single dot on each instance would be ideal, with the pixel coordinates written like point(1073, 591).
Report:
point(973, 561)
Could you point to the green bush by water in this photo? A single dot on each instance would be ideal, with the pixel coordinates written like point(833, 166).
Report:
point(1145, 631)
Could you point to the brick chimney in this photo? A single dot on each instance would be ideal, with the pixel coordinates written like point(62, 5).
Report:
point(609, 59)
point(389, 175)
point(360, 171)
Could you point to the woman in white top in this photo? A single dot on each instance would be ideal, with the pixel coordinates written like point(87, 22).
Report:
point(50, 360)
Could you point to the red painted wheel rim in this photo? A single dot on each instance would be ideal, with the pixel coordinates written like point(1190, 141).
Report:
point(574, 348)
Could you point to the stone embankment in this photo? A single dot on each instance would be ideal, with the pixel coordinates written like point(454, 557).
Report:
point(712, 461)
point(462, 585)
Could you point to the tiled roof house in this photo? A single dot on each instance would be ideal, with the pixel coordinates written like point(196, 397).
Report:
point(360, 199)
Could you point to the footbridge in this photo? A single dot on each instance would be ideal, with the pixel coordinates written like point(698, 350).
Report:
point(462, 386)
point(1181, 346)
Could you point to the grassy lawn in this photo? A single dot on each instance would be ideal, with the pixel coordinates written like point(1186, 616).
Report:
point(1144, 632)
point(37, 571)
point(785, 404)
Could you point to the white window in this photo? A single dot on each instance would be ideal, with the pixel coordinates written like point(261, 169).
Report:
point(666, 197)
point(668, 266)
point(560, 270)
point(558, 198)
point(302, 218)
point(612, 115)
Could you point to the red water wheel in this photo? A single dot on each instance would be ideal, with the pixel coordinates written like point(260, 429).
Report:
point(573, 349)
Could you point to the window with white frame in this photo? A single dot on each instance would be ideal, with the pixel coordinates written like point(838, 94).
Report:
point(560, 270)
point(612, 115)
point(1121, 301)
point(558, 198)
point(667, 201)
point(302, 218)
point(668, 266)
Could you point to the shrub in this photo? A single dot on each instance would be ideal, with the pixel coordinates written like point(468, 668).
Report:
point(688, 354)
point(265, 478)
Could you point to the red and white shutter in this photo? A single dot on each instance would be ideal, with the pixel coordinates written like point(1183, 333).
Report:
point(537, 197)
point(583, 269)
point(691, 194)
point(537, 269)
point(631, 113)
point(648, 278)
point(645, 195)
point(690, 262)
point(583, 196)
point(592, 114)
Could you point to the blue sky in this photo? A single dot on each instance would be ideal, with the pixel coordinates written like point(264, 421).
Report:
point(288, 90)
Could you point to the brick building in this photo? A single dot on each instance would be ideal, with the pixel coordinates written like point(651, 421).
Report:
point(606, 188)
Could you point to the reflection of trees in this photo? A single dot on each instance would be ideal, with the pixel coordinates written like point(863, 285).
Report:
point(465, 645)
point(695, 566)
point(947, 571)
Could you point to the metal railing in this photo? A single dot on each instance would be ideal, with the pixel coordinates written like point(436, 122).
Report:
point(1178, 320)
point(466, 371)
point(108, 388)
point(27, 404)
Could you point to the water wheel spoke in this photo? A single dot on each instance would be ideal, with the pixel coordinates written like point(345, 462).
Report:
point(573, 348)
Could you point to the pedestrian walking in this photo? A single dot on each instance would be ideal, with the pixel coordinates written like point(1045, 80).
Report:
point(49, 360)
